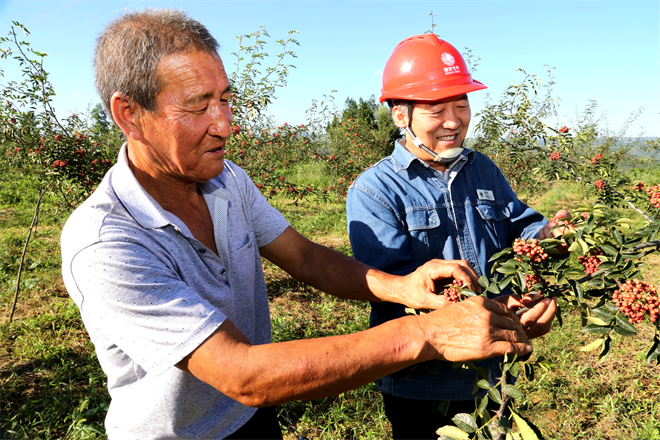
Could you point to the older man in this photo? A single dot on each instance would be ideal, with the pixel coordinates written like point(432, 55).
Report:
point(433, 198)
point(163, 262)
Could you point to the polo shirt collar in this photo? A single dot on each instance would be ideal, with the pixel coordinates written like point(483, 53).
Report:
point(141, 206)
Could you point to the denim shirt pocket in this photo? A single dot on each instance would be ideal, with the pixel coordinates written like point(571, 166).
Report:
point(423, 226)
point(495, 221)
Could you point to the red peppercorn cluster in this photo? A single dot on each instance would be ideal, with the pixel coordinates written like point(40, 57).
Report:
point(599, 184)
point(639, 186)
point(591, 261)
point(596, 158)
point(529, 248)
point(555, 155)
point(453, 292)
point(564, 129)
point(635, 298)
point(532, 279)
point(654, 194)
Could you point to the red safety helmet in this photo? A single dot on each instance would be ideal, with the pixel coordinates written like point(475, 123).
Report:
point(426, 68)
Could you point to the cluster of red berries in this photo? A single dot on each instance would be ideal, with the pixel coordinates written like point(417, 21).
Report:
point(639, 186)
point(635, 298)
point(60, 163)
point(453, 292)
point(591, 261)
point(654, 194)
point(529, 248)
point(596, 158)
point(564, 129)
point(236, 129)
point(555, 155)
point(533, 279)
point(599, 184)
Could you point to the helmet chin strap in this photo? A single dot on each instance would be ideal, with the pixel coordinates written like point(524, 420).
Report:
point(447, 156)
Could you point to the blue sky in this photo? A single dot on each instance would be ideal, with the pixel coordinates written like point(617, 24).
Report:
point(607, 51)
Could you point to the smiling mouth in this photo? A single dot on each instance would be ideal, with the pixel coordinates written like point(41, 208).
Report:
point(447, 138)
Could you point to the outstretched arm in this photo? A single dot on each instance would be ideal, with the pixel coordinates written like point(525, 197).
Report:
point(345, 277)
point(263, 375)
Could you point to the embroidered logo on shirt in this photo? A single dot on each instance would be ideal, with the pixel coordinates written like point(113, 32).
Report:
point(485, 194)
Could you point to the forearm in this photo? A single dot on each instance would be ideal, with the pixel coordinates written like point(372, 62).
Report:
point(264, 375)
point(330, 271)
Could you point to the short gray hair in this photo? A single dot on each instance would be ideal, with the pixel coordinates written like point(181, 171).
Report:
point(129, 49)
point(401, 104)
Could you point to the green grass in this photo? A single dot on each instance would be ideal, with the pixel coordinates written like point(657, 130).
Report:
point(52, 386)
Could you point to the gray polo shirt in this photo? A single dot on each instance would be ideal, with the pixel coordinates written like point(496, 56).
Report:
point(149, 294)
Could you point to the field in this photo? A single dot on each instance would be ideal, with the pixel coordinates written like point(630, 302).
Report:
point(52, 386)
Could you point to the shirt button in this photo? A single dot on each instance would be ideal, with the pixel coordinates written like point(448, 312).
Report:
point(223, 271)
point(202, 251)
point(250, 244)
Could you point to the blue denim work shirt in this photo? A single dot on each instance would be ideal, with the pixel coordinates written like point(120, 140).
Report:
point(403, 213)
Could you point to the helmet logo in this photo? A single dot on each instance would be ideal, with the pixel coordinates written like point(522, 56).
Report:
point(448, 59)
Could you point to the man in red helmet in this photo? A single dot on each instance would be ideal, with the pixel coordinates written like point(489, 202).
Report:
point(433, 198)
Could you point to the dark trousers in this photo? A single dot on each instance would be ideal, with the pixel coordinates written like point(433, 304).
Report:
point(419, 419)
point(262, 426)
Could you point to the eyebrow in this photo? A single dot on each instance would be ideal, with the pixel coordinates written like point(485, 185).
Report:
point(196, 99)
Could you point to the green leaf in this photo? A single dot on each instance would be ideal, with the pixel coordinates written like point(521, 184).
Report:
point(483, 383)
point(585, 246)
point(500, 254)
point(484, 281)
point(515, 369)
point(525, 428)
point(623, 327)
point(622, 221)
point(593, 346)
point(604, 313)
point(597, 321)
point(494, 394)
point(608, 249)
point(452, 432)
point(607, 345)
point(529, 371)
point(507, 269)
point(482, 404)
point(593, 328)
point(443, 407)
point(654, 352)
point(513, 391)
point(465, 422)
point(577, 288)
point(493, 288)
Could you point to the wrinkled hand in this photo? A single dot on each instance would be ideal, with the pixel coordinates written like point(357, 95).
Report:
point(537, 321)
point(548, 232)
point(474, 329)
point(421, 289)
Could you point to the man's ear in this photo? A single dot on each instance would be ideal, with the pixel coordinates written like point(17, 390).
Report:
point(399, 117)
point(127, 115)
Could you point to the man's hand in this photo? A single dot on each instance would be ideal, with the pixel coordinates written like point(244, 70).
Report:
point(477, 328)
point(421, 289)
point(537, 321)
point(562, 217)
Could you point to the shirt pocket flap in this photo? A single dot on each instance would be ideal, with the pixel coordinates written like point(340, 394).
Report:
point(494, 212)
point(421, 219)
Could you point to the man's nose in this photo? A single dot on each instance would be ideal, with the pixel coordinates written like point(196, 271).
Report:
point(221, 121)
point(451, 121)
